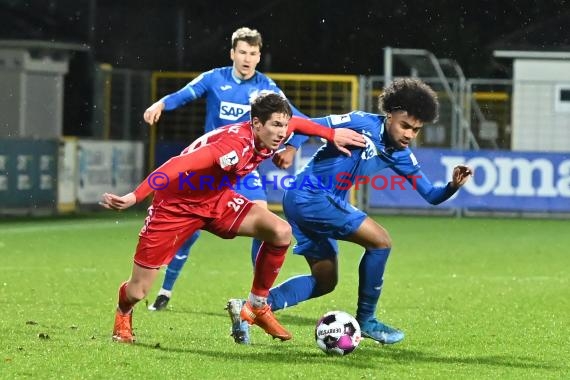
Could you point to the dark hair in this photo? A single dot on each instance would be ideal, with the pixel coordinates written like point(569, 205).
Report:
point(268, 103)
point(411, 95)
point(251, 36)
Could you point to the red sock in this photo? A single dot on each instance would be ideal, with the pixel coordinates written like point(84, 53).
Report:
point(267, 267)
point(125, 305)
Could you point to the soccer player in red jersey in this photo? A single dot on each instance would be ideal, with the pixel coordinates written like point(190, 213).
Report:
point(194, 191)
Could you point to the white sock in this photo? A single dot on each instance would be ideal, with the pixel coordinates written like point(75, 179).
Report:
point(257, 301)
point(164, 292)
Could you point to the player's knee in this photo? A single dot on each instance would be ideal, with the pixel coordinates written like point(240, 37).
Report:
point(382, 241)
point(282, 234)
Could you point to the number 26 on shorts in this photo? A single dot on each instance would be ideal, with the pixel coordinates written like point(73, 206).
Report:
point(236, 203)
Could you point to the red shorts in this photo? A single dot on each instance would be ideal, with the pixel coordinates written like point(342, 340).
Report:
point(165, 231)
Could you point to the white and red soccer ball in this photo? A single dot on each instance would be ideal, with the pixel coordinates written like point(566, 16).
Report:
point(337, 333)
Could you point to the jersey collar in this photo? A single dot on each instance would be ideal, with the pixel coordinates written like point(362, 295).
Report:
point(237, 79)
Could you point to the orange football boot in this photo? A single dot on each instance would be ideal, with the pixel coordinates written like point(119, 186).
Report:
point(123, 330)
point(264, 318)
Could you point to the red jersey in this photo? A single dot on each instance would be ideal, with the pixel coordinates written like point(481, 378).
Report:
point(194, 181)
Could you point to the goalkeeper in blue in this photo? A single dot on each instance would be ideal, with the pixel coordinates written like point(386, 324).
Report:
point(227, 91)
point(316, 205)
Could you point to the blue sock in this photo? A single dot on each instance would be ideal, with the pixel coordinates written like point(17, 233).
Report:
point(255, 245)
point(293, 291)
point(178, 261)
point(371, 278)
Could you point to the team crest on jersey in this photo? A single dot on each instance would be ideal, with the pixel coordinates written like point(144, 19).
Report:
point(340, 119)
point(233, 111)
point(229, 159)
point(370, 150)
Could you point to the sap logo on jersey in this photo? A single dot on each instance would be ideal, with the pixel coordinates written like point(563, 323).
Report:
point(233, 111)
point(229, 159)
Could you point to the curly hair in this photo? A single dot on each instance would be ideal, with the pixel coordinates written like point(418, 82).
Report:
point(411, 95)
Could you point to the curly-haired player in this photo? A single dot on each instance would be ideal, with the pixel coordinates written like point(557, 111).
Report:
point(320, 213)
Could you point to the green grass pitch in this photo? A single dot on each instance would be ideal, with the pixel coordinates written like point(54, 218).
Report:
point(477, 298)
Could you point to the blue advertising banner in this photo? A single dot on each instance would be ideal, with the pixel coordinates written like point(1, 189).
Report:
point(503, 181)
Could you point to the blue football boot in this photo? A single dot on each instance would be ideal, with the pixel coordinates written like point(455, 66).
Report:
point(380, 332)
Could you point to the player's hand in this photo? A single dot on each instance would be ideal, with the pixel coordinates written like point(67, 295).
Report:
point(152, 113)
point(115, 202)
point(347, 137)
point(283, 159)
point(461, 174)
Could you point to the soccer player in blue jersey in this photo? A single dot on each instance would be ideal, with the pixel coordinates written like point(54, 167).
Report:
point(228, 91)
point(316, 204)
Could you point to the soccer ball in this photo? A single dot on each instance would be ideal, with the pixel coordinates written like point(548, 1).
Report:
point(337, 333)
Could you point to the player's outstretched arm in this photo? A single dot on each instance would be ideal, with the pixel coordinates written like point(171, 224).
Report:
point(152, 113)
point(115, 202)
point(436, 194)
point(461, 174)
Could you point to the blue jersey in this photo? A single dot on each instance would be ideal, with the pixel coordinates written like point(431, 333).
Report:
point(330, 170)
point(316, 205)
point(227, 96)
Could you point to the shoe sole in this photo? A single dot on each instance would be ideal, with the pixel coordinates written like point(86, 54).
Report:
point(240, 336)
point(365, 335)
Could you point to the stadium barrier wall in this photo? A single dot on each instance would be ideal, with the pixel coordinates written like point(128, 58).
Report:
point(504, 181)
point(28, 176)
point(107, 166)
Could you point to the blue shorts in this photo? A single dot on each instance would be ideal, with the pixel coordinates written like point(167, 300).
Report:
point(251, 187)
point(319, 220)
